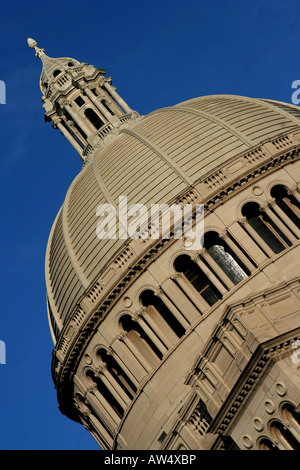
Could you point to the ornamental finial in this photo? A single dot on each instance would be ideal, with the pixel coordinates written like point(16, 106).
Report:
point(33, 45)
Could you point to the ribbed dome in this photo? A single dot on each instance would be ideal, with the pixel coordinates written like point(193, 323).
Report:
point(151, 161)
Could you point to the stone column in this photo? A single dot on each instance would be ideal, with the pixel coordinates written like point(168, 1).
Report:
point(258, 240)
point(177, 314)
point(151, 335)
point(95, 399)
point(136, 353)
point(77, 118)
point(67, 134)
point(267, 209)
point(96, 101)
point(235, 249)
point(145, 315)
point(128, 372)
point(103, 373)
point(117, 97)
point(214, 280)
point(216, 268)
point(191, 292)
point(293, 227)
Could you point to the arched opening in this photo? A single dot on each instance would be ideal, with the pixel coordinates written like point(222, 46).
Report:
point(105, 393)
point(93, 118)
point(155, 306)
point(56, 72)
point(290, 415)
point(284, 436)
point(118, 374)
point(141, 340)
point(266, 444)
point(185, 265)
point(265, 227)
point(225, 257)
point(287, 202)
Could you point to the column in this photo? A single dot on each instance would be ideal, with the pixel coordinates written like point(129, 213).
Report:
point(177, 314)
point(136, 353)
point(109, 117)
point(132, 364)
point(123, 366)
point(191, 292)
point(77, 118)
point(216, 268)
point(143, 313)
point(241, 256)
point(94, 398)
point(151, 335)
point(285, 218)
point(291, 237)
point(117, 97)
point(103, 373)
point(214, 280)
point(70, 138)
point(258, 240)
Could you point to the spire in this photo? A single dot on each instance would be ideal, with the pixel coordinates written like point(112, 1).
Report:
point(80, 101)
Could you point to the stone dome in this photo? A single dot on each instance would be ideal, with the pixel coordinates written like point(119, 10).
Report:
point(152, 160)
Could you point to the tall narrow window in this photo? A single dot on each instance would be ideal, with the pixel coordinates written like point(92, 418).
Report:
point(184, 264)
point(116, 371)
point(225, 257)
point(141, 340)
point(264, 227)
point(284, 436)
point(79, 101)
point(151, 301)
point(106, 393)
point(93, 118)
point(266, 444)
point(287, 202)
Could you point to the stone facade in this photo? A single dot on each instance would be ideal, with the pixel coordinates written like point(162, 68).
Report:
point(158, 346)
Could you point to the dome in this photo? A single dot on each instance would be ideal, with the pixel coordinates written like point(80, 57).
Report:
point(153, 160)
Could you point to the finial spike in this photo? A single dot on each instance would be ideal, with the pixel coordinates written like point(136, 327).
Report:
point(33, 45)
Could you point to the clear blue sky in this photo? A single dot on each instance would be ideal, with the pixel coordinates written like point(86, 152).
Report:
point(159, 53)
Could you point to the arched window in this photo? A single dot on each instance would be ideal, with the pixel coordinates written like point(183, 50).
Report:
point(116, 371)
point(266, 444)
point(156, 306)
point(56, 72)
point(105, 393)
point(184, 264)
point(287, 202)
point(225, 257)
point(93, 118)
point(290, 415)
point(141, 340)
point(281, 434)
point(265, 227)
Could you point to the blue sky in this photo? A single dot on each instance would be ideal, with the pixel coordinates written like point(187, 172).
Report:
point(159, 53)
